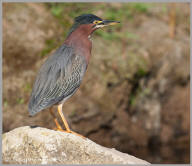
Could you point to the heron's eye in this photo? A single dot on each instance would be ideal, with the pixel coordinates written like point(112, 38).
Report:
point(96, 22)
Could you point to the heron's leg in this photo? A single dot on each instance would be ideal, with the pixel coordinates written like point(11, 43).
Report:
point(55, 119)
point(63, 117)
point(68, 130)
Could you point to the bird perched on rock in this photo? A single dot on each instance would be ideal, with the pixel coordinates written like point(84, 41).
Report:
point(62, 73)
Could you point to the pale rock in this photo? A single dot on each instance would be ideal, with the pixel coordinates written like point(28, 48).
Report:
point(26, 145)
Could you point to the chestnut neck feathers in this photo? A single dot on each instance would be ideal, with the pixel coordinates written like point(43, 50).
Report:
point(79, 40)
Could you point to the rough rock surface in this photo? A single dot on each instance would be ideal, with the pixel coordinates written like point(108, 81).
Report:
point(26, 145)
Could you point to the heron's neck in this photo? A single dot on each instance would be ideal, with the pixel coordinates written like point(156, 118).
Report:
point(80, 34)
point(79, 40)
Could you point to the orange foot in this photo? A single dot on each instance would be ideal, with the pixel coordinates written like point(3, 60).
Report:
point(72, 132)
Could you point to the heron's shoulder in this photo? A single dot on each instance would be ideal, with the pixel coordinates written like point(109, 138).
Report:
point(64, 50)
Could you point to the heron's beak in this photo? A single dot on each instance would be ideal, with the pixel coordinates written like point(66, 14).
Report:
point(106, 23)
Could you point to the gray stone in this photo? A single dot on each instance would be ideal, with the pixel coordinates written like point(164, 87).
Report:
point(26, 145)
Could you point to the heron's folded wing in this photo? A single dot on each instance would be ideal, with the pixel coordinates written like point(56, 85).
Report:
point(58, 78)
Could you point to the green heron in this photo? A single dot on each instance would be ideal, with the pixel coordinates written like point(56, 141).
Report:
point(61, 74)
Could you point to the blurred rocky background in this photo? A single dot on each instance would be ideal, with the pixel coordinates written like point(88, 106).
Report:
point(135, 94)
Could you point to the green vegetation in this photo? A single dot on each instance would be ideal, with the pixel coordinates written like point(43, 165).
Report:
point(137, 89)
point(20, 100)
point(132, 99)
point(5, 103)
point(141, 73)
point(141, 7)
point(50, 45)
point(56, 10)
point(27, 87)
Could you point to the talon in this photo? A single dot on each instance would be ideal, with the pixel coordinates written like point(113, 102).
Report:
point(57, 129)
point(72, 132)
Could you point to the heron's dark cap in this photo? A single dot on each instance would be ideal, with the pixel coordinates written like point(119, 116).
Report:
point(86, 19)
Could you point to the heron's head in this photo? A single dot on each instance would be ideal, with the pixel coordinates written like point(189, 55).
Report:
point(90, 23)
